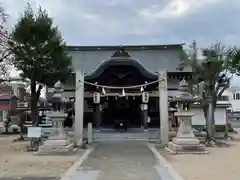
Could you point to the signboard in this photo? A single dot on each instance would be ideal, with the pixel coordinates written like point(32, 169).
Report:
point(34, 132)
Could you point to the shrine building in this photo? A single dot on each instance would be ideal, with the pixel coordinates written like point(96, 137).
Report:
point(109, 71)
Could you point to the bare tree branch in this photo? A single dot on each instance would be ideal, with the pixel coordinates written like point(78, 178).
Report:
point(5, 53)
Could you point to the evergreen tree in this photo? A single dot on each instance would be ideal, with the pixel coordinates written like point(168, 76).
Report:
point(39, 53)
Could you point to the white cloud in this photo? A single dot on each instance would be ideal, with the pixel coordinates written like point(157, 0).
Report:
point(175, 9)
point(95, 22)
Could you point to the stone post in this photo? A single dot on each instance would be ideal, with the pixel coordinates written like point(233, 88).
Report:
point(90, 135)
point(163, 106)
point(79, 108)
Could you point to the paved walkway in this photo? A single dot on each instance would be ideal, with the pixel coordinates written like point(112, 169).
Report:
point(127, 160)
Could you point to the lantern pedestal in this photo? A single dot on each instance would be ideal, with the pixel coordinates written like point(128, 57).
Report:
point(58, 141)
point(185, 141)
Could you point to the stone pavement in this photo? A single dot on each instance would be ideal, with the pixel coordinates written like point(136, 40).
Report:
point(123, 160)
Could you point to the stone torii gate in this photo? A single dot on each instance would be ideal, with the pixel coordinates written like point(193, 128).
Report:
point(163, 107)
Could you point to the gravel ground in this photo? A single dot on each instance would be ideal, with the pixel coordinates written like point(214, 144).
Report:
point(16, 163)
point(222, 163)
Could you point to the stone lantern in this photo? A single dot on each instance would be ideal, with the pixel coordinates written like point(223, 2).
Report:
point(57, 99)
point(57, 141)
point(185, 139)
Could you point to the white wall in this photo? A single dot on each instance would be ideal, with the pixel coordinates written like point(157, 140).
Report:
point(234, 102)
point(199, 119)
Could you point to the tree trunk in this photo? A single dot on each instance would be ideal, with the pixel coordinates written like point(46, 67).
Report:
point(6, 128)
point(40, 87)
point(33, 102)
point(35, 95)
point(38, 93)
point(22, 121)
point(21, 131)
point(209, 116)
point(7, 122)
point(205, 112)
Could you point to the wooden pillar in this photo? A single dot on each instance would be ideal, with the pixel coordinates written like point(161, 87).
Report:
point(141, 116)
point(79, 108)
point(145, 116)
point(97, 116)
point(163, 106)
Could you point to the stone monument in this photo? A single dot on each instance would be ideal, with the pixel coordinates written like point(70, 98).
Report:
point(185, 140)
point(58, 141)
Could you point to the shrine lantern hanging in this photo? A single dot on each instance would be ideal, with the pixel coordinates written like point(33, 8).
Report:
point(96, 97)
point(145, 97)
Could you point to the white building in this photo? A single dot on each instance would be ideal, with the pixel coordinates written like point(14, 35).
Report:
point(233, 96)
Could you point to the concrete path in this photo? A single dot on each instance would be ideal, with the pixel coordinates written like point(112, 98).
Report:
point(124, 160)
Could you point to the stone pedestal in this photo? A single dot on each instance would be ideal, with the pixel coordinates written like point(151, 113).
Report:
point(185, 141)
point(58, 141)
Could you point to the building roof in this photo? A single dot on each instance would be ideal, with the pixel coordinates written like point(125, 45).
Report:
point(234, 88)
point(126, 47)
point(152, 57)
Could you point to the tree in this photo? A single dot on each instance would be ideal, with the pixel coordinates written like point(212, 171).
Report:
point(39, 53)
point(5, 54)
point(212, 75)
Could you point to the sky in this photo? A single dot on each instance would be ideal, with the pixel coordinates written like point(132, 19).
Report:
point(120, 22)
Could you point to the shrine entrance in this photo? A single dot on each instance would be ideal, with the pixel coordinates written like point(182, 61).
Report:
point(119, 104)
point(125, 109)
point(116, 90)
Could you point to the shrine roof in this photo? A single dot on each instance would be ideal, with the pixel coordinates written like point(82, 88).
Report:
point(151, 57)
point(126, 47)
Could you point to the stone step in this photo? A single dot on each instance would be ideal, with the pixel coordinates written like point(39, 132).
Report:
point(55, 147)
point(125, 136)
point(186, 148)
